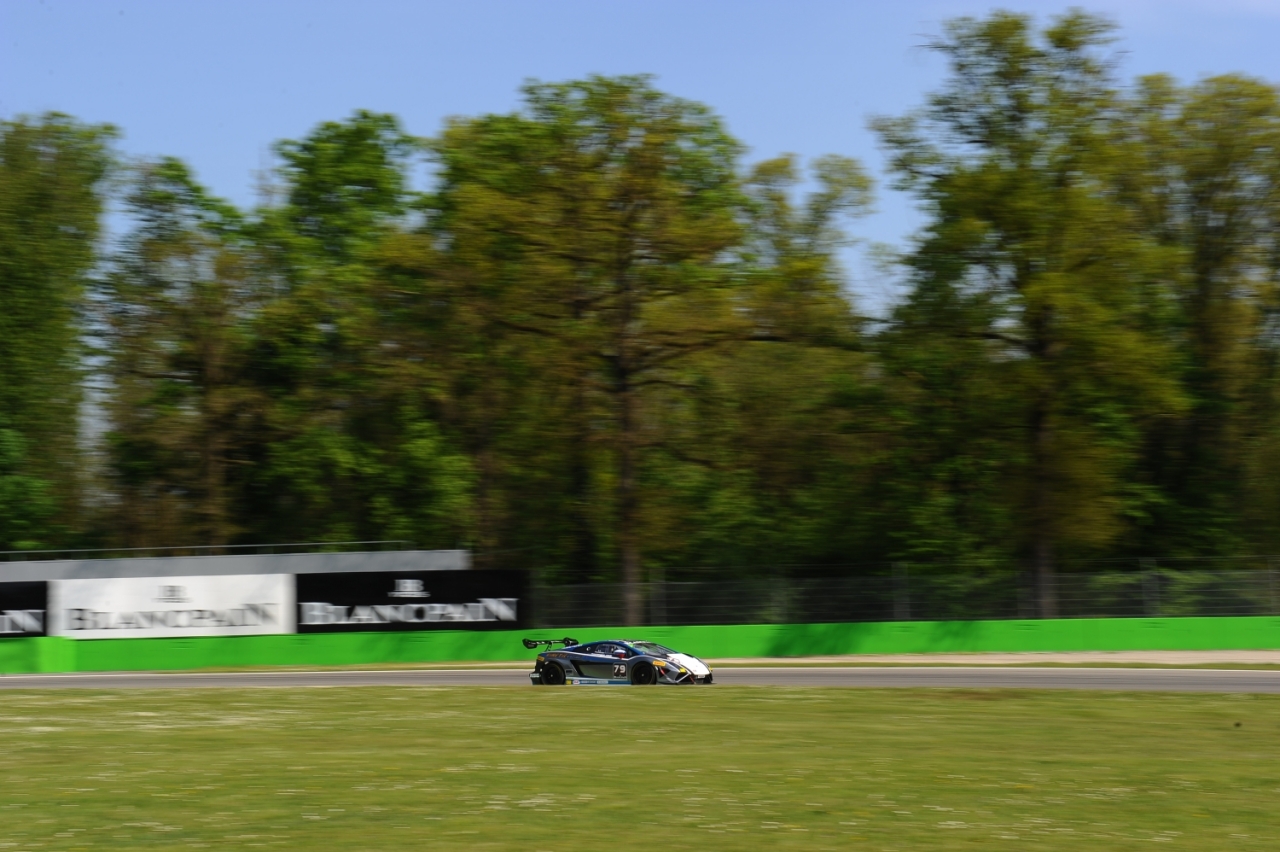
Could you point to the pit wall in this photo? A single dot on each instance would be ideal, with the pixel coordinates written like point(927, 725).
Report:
point(56, 654)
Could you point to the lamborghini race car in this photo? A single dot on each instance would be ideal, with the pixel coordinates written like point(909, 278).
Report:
point(613, 662)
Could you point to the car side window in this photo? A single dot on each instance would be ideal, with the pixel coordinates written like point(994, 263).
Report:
point(605, 649)
point(588, 649)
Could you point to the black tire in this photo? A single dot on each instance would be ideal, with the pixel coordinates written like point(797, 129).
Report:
point(552, 675)
point(643, 674)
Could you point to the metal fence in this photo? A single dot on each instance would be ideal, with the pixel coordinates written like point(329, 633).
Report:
point(905, 597)
point(206, 550)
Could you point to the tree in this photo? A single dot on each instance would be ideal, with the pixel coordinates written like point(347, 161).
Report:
point(347, 444)
point(53, 174)
point(608, 207)
point(173, 313)
point(1016, 162)
point(954, 451)
point(798, 293)
point(1204, 181)
point(765, 443)
point(26, 506)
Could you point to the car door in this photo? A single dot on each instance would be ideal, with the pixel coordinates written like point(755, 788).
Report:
point(601, 662)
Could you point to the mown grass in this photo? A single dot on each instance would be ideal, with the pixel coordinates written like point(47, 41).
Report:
point(622, 769)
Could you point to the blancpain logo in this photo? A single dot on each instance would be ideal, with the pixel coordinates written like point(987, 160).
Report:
point(485, 609)
point(22, 621)
point(248, 615)
point(409, 589)
point(173, 594)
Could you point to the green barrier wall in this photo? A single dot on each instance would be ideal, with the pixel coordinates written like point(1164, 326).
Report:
point(56, 654)
point(31, 656)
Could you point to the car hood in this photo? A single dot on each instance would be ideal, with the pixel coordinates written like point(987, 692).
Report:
point(693, 664)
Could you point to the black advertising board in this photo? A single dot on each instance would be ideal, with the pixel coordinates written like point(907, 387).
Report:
point(412, 600)
point(23, 609)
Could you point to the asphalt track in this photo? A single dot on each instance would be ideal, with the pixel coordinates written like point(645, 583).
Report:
point(951, 677)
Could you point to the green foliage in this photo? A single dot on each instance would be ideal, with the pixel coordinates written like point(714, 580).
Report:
point(601, 347)
point(592, 227)
point(52, 179)
point(342, 441)
point(26, 504)
point(345, 181)
point(171, 323)
point(1205, 182)
point(1016, 159)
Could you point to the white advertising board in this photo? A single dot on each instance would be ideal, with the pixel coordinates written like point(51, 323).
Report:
point(120, 607)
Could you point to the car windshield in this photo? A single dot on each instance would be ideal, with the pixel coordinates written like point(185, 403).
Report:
point(652, 648)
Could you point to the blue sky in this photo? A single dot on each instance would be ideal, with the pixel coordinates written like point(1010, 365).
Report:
point(215, 83)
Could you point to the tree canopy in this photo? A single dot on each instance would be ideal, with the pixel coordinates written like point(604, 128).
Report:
point(599, 344)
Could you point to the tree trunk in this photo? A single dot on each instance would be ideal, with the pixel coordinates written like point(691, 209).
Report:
point(486, 513)
point(486, 545)
point(211, 311)
point(582, 554)
point(1042, 522)
point(628, 541)
point(628, 535)
point(215, 532)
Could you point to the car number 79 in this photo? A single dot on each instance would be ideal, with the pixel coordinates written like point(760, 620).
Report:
point(619, 669)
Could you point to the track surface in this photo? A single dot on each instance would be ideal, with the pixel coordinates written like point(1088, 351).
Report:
point(1145, 680)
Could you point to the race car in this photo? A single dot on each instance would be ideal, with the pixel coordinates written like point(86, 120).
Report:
point(613, 662)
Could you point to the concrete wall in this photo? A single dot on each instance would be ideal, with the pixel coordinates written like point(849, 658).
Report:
point(264, 563)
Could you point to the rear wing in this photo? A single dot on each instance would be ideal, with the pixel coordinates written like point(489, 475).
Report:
point(533, 643)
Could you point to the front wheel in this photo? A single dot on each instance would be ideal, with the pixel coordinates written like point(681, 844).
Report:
point(643, 674)
point(552, 675)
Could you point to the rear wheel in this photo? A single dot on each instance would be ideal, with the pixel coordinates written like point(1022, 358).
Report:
point(552, 675)
point(643, 674)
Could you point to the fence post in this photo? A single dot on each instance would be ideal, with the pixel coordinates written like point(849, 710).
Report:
point(1150, 589)
point(781, 587)
point(901, 592)
point(535, 611)
point(658, 600)
point(1275, 609)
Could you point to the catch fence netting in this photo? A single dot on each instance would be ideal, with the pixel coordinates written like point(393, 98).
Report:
point(1154, 592)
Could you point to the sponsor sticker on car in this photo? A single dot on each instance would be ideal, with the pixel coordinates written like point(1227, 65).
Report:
point(595, 681)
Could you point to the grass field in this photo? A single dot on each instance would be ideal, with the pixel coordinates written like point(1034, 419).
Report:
point(622, 769)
